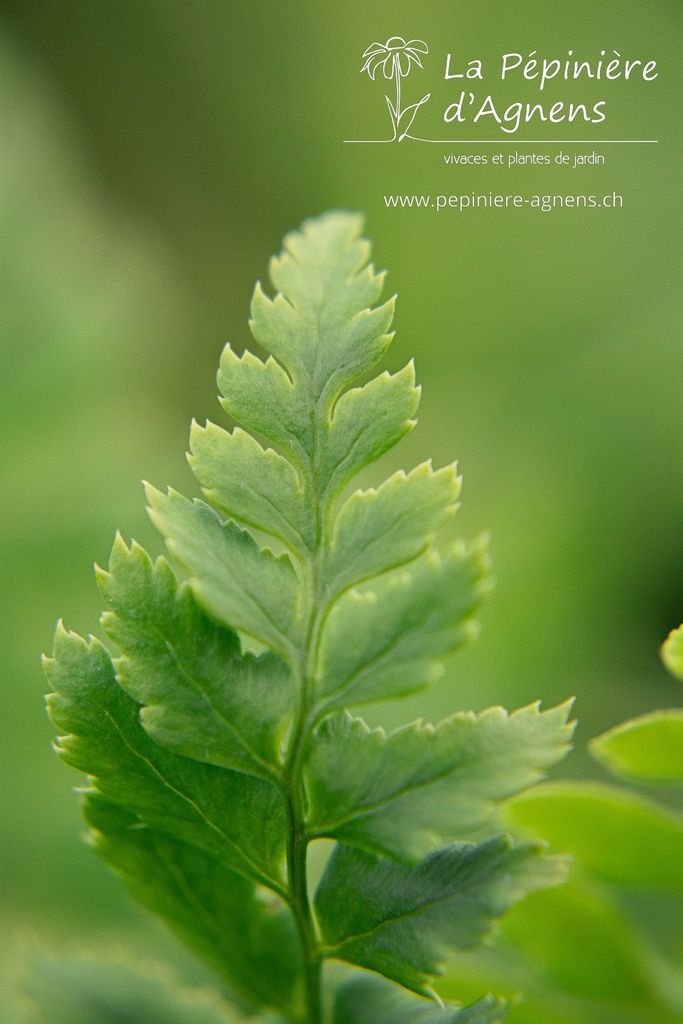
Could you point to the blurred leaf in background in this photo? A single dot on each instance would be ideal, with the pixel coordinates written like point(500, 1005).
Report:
point(609, 945)
point(86, 293)
point(81, 989)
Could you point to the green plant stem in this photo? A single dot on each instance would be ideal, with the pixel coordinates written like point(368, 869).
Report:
point(297, 854)
point(297, 863)
point(298, 839)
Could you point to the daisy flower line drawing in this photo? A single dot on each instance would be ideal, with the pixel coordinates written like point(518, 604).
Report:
point(395, 58)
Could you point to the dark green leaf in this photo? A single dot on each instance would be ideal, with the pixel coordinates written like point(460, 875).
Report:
point(237, 819)
point(371, 1000)
point(401, 921)
point(246, 938)
point(203, 698)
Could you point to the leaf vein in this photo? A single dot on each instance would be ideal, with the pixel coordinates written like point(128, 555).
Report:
point(273, 883)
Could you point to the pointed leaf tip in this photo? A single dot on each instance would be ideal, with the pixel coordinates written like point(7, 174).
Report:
point(369, 999)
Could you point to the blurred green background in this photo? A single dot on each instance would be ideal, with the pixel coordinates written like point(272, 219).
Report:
point(152, 155)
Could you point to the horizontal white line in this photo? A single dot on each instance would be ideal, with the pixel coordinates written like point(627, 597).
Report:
point(520, 142)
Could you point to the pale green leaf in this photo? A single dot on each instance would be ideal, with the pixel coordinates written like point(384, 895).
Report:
point(244, 586)
point(404, 793)
point(381, 529)
point(320, 326)
point(369, 999)
point(322, 332)
point(613, 833)
point(260, 396)
point(672, 652)
point(645, 749)
point(391, 640)
point(82, 989)
point(235, 818)
point(203, 698)
point(366, 423)
point(256, 487)
point(402, 921)
point(533, 1000)
point(250, 942)
point(579, 940)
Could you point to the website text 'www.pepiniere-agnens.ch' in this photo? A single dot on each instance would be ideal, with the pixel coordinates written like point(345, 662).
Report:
point(499, 201)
